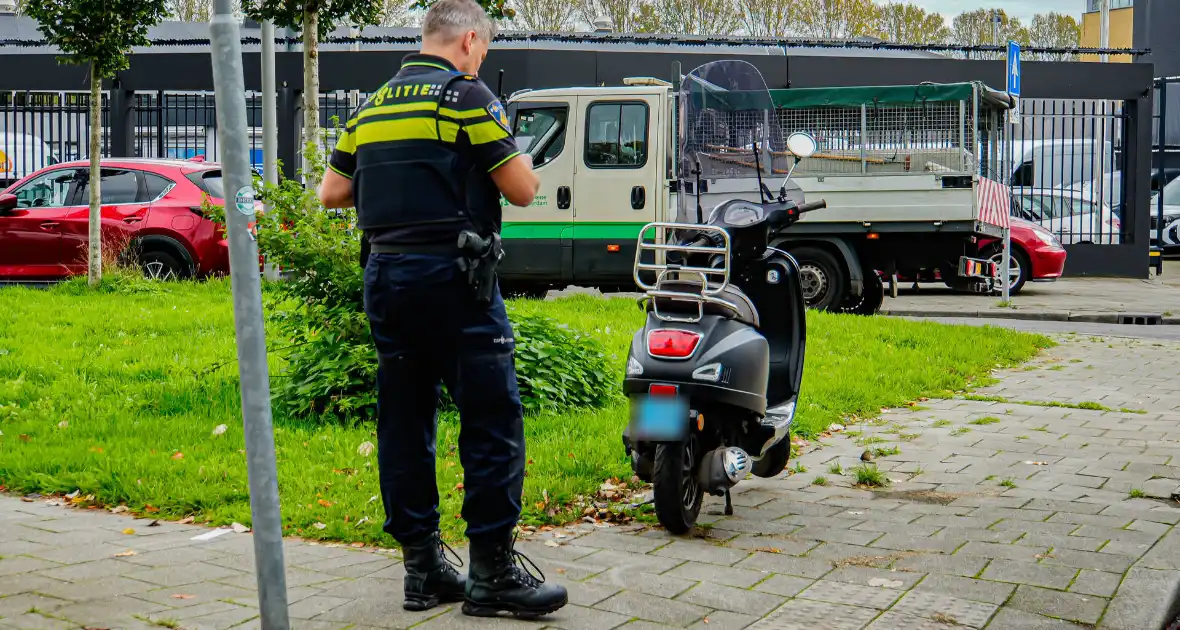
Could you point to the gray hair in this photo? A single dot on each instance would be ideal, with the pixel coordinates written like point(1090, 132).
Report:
point(448, 19)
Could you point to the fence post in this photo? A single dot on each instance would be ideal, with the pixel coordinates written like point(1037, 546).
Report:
point(122, 120)
point(1137, 143)
point(287, 130)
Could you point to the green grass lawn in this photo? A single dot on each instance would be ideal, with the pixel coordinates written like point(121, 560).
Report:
point(118, 395)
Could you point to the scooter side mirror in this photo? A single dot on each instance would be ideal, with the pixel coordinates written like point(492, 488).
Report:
point(801, 144)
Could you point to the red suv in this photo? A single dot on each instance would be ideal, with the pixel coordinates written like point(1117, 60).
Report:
point(151, 207)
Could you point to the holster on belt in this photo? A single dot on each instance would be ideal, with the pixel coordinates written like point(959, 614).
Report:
point(480, 257)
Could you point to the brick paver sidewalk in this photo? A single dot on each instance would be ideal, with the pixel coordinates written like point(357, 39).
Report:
point(1018, 524)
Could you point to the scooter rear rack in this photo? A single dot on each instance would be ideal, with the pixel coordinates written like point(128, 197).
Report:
point(663, 242)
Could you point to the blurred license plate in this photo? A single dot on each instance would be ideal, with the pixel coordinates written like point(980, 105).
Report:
point(660, 419)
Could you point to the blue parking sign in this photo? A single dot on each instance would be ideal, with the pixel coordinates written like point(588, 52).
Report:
point(1014, 69)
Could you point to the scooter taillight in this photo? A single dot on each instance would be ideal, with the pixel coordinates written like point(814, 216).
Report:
point(672, 344)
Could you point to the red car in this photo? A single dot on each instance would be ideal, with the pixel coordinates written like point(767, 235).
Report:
point(152, 206)
point(1037, 255)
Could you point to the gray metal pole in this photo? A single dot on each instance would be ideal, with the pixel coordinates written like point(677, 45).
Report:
point(270, 130)
point(270, 107)
point(248, 324)
point(1104, 26)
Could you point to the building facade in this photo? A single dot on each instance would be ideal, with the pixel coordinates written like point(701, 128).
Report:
point(1122, 27)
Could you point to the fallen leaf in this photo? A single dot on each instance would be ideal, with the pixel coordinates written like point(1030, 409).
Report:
point(155, 523)
point(324, 503)
point(119, 510)
point(63, 424)
point(26, 499)
point(705, 620)
point(357, 545)
point(882, 582)
point(361, 522)
point(151, 508)
point(186, 520)
point(835, 428)
point(319, 526)
point(365, 449)
point(769, 550)
point(561, 571)
point(23, 437)
point(181, 596)
point(220, 429)
point(124, 554)
point(458, 486)
point(178, 456)
point(373, 498)
point(73, 494)
point(239, 528)
point(552, 543)
point(129, 531)
point(95, 449)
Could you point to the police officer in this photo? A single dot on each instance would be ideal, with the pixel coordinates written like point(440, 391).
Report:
point(425, 161)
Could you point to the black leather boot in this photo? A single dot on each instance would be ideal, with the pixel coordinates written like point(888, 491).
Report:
point(431, 578)
point(501, 581)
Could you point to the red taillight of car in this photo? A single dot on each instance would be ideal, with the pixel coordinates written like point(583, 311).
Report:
point(672, 344)
point(662, 390)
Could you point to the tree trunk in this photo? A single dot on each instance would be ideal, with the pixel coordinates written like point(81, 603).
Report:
point(311, 91)
point(94, 265)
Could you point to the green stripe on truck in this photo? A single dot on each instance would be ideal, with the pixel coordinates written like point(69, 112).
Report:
point(552, 230)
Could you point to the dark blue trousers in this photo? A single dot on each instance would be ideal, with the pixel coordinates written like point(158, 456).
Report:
point(428, 330)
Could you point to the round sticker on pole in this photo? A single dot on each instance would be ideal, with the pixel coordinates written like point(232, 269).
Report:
point(244, 200)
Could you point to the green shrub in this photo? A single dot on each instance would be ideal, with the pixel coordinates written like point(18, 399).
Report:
point(318, 311)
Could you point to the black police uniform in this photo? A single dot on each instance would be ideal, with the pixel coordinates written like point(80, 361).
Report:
point(419, 153)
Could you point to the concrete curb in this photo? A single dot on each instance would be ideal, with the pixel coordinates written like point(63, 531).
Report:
point(1044, 316)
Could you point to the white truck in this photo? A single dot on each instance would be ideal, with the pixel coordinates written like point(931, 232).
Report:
point(904, 170)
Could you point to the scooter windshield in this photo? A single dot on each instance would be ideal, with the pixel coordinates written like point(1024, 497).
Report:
point(726, 116)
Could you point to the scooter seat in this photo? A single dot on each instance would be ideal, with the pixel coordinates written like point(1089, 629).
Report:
point(746, 313)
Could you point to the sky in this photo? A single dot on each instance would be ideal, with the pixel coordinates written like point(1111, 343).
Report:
point(1023, 9)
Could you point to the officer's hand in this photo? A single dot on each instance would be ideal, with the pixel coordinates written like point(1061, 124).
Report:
point(517, 181)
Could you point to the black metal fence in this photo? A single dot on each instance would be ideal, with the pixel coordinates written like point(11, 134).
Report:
point(1067, 161)
point(38, 128)
point(1165, 202)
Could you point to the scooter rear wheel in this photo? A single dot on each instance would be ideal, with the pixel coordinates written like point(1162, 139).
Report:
point(677, 493)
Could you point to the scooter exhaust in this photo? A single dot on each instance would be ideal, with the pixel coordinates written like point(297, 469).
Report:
point(722, 468)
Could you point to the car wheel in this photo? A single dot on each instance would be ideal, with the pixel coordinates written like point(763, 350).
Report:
point(158, 265)
point(1018, 265)
point(822, 278)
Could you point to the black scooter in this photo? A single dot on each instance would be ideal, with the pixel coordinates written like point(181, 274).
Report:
point(714, 375)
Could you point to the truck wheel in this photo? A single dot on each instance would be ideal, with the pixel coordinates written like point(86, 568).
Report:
point(677, 494)
point(1018, 266)
point(775, 461)
point(822, 276)
point(870, 299)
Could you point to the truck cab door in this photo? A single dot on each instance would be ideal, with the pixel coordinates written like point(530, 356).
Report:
point(538, 239)
point(620, 180)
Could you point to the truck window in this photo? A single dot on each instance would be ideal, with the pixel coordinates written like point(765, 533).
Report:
point(616, 135)
point(540, 132)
